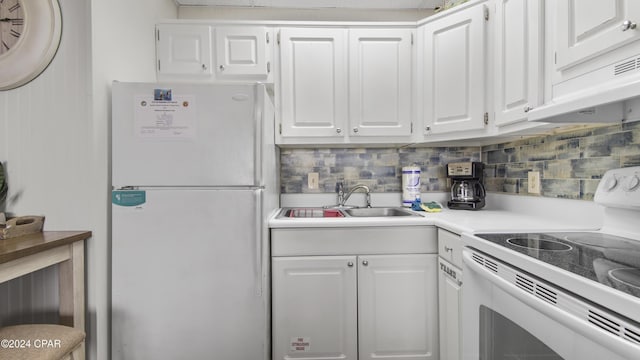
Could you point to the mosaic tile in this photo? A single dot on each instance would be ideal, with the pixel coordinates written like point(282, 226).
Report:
point(540, 152)
point(593, 168)
point(605, 145)
point(496, 157)
point(512, 186)
point(631, 125)
point(571, 163)
point(630, 160)
point(568, 149)
point(557, 169)
point(379, 168)
point(494, 184)
point(588, 189)
point(565, 189)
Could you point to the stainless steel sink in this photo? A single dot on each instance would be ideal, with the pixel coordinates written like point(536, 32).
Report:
point(378, 212)
point(344, 212)
point(310, 213)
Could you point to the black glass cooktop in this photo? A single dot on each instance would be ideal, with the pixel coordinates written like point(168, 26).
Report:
point(611, 260)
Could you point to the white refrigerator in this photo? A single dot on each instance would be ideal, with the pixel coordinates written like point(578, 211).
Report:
point(194, 181)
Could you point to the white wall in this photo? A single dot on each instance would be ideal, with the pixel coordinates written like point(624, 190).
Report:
point(44, 143)
point(123, 48)
point(43, 132)
point(54, 135)
point(286, 14)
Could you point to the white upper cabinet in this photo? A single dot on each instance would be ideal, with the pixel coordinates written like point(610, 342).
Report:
point(591, 67)
point(380, 84)
point(199, 52)
point(313, 82)
point(340, 85)
point(242, 52)
point(183, 50)
point(588, 28)
point(454, 71)
point(518, 59)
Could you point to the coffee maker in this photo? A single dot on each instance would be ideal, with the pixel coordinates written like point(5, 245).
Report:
point(467, 190)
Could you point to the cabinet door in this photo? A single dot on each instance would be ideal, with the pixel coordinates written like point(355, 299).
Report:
point(397, 307)
point(588, 28)
point(518, 59)
point(454, 63)
point(183, 49)
point(242, 51)
point(450, 301)
point(380, 62)
point(314, 312)
point(313, 65)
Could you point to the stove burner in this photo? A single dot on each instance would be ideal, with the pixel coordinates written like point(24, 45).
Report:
point(601, 240)
point(539, 244)
point(627, 276)
point(589, 239)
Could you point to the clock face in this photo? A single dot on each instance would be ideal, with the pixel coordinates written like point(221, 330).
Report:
point(11, 24)
point(30, 33)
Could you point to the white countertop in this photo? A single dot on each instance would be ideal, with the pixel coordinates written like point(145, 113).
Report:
point(515, 213)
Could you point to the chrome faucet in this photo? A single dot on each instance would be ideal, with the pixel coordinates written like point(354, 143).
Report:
point(342, 198)
point(340, 191)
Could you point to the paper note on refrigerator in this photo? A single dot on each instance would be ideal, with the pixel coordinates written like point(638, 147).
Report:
point(168, 117)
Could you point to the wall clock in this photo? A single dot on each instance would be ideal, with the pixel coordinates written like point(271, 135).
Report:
point(30, 33)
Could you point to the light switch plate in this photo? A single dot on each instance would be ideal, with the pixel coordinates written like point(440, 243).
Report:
point(312, 180)
point(534, 182)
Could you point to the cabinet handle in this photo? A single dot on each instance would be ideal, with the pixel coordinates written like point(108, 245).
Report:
point(448, 249)
point(527, 109)
point(626, 25)
point(204, 67)
point(338, 130)
point(355, 130)
point(221, 67)
point(350, 264)
point(365, 263)
point(428, 128)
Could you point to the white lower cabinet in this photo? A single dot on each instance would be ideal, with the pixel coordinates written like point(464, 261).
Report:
point(354, 307)
point(314, 307)
point(450, 294)
point(397, 307)
point(450, 306)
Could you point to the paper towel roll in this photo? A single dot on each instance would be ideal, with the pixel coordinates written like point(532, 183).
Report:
point(410, 184)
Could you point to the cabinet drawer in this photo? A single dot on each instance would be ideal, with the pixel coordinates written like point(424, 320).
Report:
point(354, 240)
point(450, 247)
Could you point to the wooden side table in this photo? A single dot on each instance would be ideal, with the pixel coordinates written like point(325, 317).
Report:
point(26, 254)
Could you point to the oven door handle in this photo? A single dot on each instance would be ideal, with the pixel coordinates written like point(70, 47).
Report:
point(578, 324)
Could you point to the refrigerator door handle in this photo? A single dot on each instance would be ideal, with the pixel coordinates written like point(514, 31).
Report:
point(258, 240)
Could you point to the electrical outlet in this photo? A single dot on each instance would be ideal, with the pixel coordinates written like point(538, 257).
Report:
point(534, 182)
point(312, 180)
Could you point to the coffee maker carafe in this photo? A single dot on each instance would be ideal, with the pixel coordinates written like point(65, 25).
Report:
point(467, 190)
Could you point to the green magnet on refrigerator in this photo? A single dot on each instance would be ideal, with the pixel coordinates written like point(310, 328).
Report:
point(128, 197)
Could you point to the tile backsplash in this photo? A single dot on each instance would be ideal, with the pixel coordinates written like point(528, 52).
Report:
point(378, 168)
point(570, 163)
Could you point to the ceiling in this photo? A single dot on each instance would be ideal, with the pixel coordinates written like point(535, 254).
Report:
point(315, 4)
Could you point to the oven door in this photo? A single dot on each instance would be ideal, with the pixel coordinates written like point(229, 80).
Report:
point(509, 314)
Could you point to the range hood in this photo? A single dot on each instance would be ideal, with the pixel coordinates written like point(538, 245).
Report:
point(316, 4)
point(609, 94)
point(602, 105)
